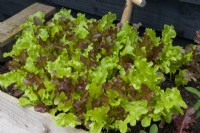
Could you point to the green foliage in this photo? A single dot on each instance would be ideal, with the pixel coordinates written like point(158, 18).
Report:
point(142, 131)
point(144, 73)
point(165, 105)
point(140, 108)
point(171, 57)
point(98, 117)
point(106, 22)
point(13, 76)
point(59, 98)
point(193, 90)
point(181, 78)
point(64, 119)
point(23, 101)
point(153, 129)
point(93, 73)
point(197, 104)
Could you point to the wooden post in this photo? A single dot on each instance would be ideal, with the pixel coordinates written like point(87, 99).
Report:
point(140, 3)
point(129, 7)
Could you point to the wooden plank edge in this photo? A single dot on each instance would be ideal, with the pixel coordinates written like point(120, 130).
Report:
point(6, 39)
point(26, 120)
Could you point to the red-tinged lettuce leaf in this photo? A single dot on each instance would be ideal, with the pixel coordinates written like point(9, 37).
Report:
point(151, 43)
point(196, 53)
point(94, 73)
point(194, 70)
point(197, 39)
point(41, 107)
point(182, 122)
point(193, 67)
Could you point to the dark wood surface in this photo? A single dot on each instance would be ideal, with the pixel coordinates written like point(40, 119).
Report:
point(11, 7)
point(183, 14)
point(197, 2)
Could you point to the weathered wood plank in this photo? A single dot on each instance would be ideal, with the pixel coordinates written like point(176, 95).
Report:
point(15, 119)
point(10, 27)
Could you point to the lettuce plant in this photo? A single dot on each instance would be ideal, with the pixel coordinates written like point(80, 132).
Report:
point(92, 73)
point(191, 73)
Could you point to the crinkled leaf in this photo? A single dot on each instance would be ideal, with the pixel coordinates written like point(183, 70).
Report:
point(63, 13)
point(146, 121)
point(98, 116)
point(12, 77)
point(65, 107)
point(81, 29)
point(122, 125)
point(43, 34)
point(181, 78)
point(69, 119)
point(106, 21)
point(95, 127)
point(114, 98)
point(59, 98)
point(144, 73)
point(135, 110)
point(152, 34)
point(168, 34)
point(24, 101)
point(169, 102)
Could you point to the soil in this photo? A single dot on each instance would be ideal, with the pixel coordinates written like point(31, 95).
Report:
point(10, 90)
point(188, 97)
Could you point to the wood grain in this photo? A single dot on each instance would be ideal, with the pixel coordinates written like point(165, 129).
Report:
point(10, 27)
point(15, 119)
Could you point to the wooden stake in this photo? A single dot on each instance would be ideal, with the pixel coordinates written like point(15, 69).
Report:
point(140, 3)
point(129, 7)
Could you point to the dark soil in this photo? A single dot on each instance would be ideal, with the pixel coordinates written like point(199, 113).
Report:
point(188, 97)
point(10, 90)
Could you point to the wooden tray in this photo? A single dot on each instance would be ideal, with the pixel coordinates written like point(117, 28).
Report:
point(13, 118)
point(16, 119)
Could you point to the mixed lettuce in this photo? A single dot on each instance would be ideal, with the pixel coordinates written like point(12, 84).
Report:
point(91, 72)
